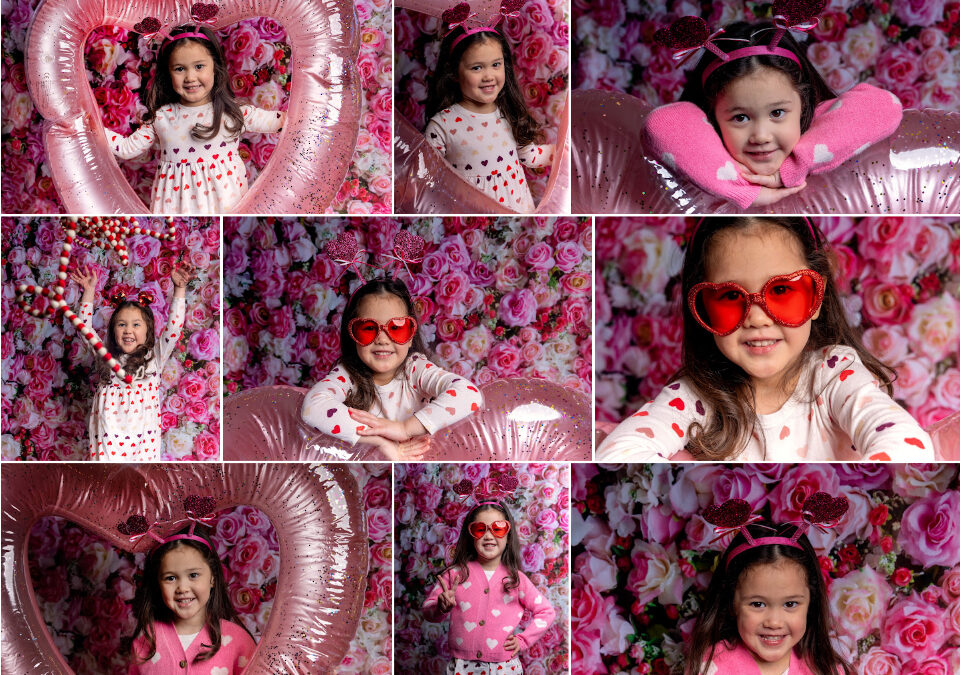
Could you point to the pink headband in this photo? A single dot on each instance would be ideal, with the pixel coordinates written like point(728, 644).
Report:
point(472, 31)
point(197, 509)
point(819, 509)
point(745, 52)
point(199, 36)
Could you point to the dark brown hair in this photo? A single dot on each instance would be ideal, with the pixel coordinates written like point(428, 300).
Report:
point(466, 551)
point(161, 90)
point(140, 356)
point(444, 84)
point(725, 388)
point(148, 605)
point(717, 620)
point(808, 83)
point(364, 393)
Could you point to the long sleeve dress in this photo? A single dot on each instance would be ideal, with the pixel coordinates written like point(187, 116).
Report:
point(124, 423)
point(482, 149)
point(434, 396)
point(682, 138)
point(836, 412)
point(194, 176)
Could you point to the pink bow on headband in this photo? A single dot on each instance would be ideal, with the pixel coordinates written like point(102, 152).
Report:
point(686, 36)
point(798, 15)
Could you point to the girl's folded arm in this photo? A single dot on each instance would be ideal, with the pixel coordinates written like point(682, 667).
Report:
point(536, 155)
point(655, 432)
point(454, 397)
point(880, 429)
point(682, 138)
point(436, 137)
point(134, 145)
point(543, 612)
point(841, 128)
point(262, 120)
point(324, 409)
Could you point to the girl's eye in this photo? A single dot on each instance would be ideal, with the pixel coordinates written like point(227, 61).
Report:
point(732, 296)
point(791, 604)
point(740, 119)
point(780, 289)
point(194, 575)
point(778, 113)
point(757, 604)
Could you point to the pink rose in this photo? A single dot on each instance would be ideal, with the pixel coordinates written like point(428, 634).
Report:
point(452, 289)
point(858, 601)
point(378, 523)
point(504, 359)
point(230, 529)
point(532, 558)
point(898, 67)
point(919, 12)
point(204, 345)
point(887, 343)
point(246, 600)
point(886, 303)
point(930, 530)
point(950, 583)
point(934, 327)
point(518, 308)
point(655, 573)
point(206, 446)
point(539, 257)
point(878, 662)
point(248, 554)
point(192, 387)
point(912, 629)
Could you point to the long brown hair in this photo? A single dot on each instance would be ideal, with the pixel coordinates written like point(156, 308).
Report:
point(364, 392)
point(140, 356)
point(717, 621)
point(148, 605)
point(725, 388)
point(161, 90)
point(466, 551)
point(444, 84)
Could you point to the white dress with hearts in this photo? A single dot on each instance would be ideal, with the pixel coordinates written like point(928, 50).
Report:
point(124, 422)
point(194, 176)
point(482, 149)
point(436, 397)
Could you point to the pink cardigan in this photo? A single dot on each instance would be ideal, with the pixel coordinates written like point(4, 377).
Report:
point(485, 616)
point(236, 648)
point(739, 661)
point(682, 138)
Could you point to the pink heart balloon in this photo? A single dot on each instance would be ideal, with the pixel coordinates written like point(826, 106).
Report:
point(317, 512)
point(315, 148)
point(912, 171)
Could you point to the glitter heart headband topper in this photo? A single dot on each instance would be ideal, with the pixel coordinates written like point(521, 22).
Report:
point(345, 251)
point(460, 16)
point(819, 510)
point(490, 491)
point(202, 13)
point(197, 509)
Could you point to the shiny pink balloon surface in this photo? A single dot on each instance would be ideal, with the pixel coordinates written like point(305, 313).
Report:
point(916, 170)
point(315, 147)
point(426, 183)
point(522, 420)
point(316, 510)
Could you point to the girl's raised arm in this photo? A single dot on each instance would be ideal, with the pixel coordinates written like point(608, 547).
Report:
point(87, 278)
point(134, 145)
point(454, 397)
point(431, 606)
point(261, 120)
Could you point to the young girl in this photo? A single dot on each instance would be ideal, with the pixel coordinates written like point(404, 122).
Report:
point(766, 611)
point(383, 389)
point(478, 119)
point(485, 594)
point(125, 419)
point(185, 620)
point(771, 370)
point(777, 119)
point(192, 114)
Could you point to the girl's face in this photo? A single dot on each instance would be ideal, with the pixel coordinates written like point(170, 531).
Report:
point(383, 356)
point(764, 349)
point(490, 547)
point(759, 119)
point(192, 73)
point(185, 584)
point(129, 329)
point(771, 603)
point(481, 75)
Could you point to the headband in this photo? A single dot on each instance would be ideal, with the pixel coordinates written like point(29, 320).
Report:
point(459, 15)
point(813, 232)
point(497, 485)
point(819, 510)
point(144, 298)
point(197, 509)
point(745, 52)
point(200, 12)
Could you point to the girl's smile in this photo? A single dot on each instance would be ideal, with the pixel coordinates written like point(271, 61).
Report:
point(185, 585)
point(481, 76)
point(192, 73)
point(129, 329)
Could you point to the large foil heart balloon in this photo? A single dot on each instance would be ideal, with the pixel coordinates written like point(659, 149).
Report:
point(315, 148)
point(317, 512)
point(912, 171)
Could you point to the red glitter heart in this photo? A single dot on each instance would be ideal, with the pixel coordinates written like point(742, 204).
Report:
point(149, 26)
point(685, 32)
point(408, 247)
point(820, 507)
point(463, 488)
point(732, 513)
point(798, 11)
point(202, 12)
point(510, 6)
point(199, 506)
point(344, 247)
point(456, 14)
point(135, 525)
point(508, 483)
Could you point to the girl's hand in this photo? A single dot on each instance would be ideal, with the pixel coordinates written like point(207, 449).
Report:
point(182, 274)
point(771, 181)
point(447, 598)
point(770, 196)
point(379, 426)
point(414, 449)
point(88, 282)
point(512, 644)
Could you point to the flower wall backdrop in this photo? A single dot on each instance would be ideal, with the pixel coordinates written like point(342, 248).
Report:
point(428, 519)
point(908, 47)
point(48, 370)
point(496, 297)
point(120, 66)
point(539, 40)
point(643, 557)
point(85, 587)
point(899, 280)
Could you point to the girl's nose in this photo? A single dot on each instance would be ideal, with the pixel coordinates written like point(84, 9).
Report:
point(757, 317)
point(760, 133)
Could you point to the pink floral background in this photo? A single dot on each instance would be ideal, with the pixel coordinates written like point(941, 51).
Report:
point(643, 555)
point(120, 65)
point(497, 297)
point(908, 47)
point(540, 42)
point(428, 518)
point(85, 587)
point(899, 280)
point(48, 370)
